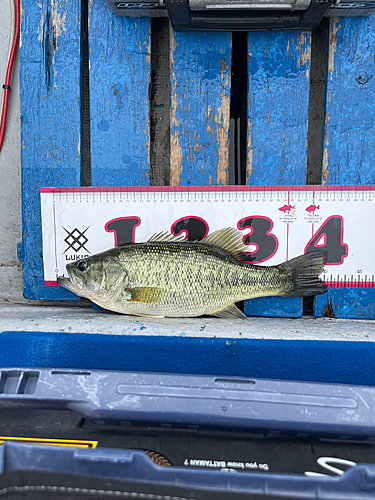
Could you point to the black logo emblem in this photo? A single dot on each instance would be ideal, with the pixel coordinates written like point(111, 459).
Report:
point(76, 240)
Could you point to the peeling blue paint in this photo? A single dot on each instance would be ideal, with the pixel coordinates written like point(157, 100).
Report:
point(354, 303)
point(119, 80)
point(349, 134)
point(51, 122)
point(200, 91)
point(349, 141)
point(278, 100)
point(274, 307)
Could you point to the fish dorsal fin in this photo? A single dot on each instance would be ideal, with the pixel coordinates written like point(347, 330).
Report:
point(229, 239)
point(230, 312)
point(164, 236)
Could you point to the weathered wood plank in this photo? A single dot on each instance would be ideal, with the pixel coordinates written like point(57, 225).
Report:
point(349, 141)
point(50, 56)
point(354, 303)
point(200, 100)
point(119, 81)
point(349, 136)
point(274, 307)
point(278, 100)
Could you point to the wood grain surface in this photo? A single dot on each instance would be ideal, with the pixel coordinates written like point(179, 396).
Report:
point(349, 136)
point(278, 103)
point(119, 109)
point(200, 105)
point(50, 58)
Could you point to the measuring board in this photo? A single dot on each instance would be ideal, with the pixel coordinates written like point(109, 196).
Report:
point(277, 223)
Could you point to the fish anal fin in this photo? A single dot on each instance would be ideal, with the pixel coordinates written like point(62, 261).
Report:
point(228, 239)
point(230, 312)
point(147, 295)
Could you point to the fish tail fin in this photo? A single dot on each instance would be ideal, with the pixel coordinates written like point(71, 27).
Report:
point(303, 275)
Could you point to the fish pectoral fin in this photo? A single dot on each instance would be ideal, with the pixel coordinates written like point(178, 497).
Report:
point(230, 312)
point(148, 295)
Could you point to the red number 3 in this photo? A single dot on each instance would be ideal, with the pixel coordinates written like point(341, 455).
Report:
point(266, 244)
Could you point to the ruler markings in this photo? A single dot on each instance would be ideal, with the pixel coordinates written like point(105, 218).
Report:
point(313, 208)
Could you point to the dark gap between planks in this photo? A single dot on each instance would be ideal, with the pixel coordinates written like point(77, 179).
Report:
point(318, 87)
point(159, 102)
point(85, 98)
point(316, 118)
point(238, 114)
point(238, 110)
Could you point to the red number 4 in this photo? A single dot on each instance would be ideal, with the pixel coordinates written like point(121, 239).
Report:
point(329, 237)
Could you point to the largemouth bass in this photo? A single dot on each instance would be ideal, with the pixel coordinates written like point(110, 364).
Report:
point(167, 276)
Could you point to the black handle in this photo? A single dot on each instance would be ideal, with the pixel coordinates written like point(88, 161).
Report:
point(183, 19)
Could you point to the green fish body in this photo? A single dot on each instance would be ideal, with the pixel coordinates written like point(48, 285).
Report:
point(169, 277)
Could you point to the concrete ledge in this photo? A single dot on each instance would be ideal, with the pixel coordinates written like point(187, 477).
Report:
point(73, 319)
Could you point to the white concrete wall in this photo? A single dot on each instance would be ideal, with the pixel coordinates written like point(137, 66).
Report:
point(10, 174)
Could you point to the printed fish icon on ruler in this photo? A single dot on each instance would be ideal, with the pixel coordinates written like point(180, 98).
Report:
point(312, 208)
point(286, 208)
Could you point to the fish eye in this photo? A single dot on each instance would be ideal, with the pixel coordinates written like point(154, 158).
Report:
point(82, 265)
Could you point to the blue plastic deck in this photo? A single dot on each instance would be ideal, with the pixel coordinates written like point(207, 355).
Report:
point(50, 57)
point(200, 100)
point(119, 81)
point(303, 360)
point(349, 142)
point(278, 102)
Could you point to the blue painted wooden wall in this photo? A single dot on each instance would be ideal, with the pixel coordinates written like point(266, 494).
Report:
point(50, 64)
point(200, 100)
point(200, 79)
point(119, 54)
point(349, 134)
point(278, 104)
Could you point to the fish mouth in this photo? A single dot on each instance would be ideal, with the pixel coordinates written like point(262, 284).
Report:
point(65, 282)
point(72, 283)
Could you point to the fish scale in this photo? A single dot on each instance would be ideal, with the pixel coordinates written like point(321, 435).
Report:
point(169, 277)
point(188, 280)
